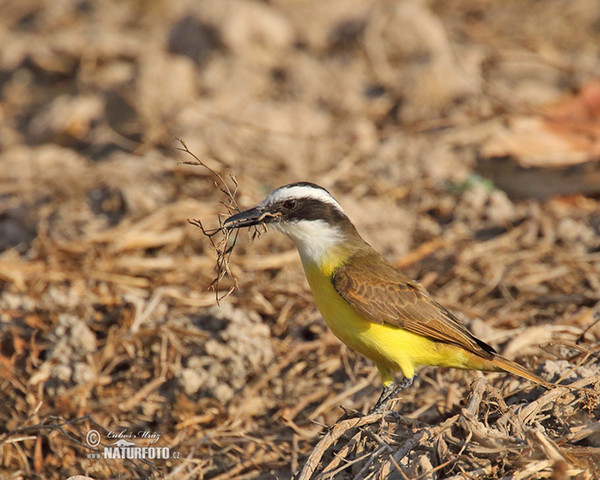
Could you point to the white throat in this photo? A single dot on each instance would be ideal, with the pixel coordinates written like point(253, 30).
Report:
point(314, 239)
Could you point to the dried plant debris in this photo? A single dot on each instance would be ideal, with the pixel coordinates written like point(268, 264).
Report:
point(227, 237)
point(224, 246)
point(483, 439)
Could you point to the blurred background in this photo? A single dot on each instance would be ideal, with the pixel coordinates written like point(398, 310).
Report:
point(461, 137)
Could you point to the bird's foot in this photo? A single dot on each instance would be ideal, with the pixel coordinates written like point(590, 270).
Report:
point(383, 398)
point(389, 392)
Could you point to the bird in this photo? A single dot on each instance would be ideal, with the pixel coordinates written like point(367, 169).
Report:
point(368, 303)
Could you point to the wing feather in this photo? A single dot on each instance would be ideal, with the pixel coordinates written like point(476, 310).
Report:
point(383, 294)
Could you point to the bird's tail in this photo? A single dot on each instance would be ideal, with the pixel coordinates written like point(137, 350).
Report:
point(499, 363)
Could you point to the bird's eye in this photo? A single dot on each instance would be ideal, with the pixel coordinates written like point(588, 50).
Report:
point(289, 204)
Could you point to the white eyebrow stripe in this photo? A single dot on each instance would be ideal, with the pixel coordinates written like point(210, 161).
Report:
point(302, 191)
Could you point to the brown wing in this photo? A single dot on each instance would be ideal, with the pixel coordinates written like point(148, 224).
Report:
point(383, 294)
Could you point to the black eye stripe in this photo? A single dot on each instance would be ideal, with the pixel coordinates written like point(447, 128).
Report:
point(312, 209)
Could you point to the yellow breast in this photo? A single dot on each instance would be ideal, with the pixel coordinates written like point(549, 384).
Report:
point(391, 348)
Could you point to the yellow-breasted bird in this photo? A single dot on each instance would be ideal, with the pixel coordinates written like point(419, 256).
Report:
point(369, 304)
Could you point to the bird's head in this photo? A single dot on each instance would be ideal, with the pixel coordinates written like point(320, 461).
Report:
point(305, 212)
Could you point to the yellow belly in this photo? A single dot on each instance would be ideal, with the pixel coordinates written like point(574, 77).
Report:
point(391, 348)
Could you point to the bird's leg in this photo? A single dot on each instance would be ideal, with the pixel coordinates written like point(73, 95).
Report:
point(402, 384)
point(389, 392)
point(383, 398)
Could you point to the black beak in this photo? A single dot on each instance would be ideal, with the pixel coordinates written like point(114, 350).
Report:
point(248, 218)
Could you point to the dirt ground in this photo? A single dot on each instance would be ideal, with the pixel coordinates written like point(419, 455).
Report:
point(107, 321)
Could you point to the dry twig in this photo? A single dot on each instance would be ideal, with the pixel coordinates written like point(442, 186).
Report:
point(223, 247)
